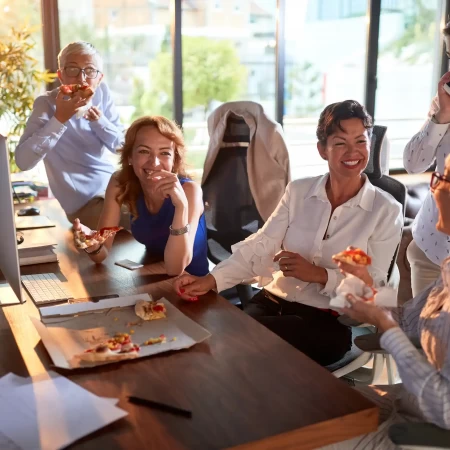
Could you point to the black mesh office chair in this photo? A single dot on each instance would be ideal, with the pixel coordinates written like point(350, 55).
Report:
point(351, 365)
point(230, 210)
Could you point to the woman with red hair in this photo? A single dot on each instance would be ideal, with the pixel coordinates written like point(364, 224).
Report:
point(165, 205)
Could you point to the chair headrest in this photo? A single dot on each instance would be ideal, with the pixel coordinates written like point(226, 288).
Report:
point(373, 169)
point(237, 129)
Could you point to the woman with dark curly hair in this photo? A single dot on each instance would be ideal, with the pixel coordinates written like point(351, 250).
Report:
point(166, 207)
point(316, 218)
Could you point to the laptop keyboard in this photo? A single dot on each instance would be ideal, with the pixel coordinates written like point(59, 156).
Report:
point(45, 288)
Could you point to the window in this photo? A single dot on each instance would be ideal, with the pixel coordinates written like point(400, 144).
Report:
point(225, 58)
point(134, 40)
point(408, 69)
point(325, 63)
point(23, 13)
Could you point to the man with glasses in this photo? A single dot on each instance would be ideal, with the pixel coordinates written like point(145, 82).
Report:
point(73, 135)
point(430, 145)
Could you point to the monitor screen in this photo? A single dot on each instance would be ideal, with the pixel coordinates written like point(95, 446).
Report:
point(11, 290)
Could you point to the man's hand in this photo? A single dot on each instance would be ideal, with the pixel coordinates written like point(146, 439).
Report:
point(294, 265)
point(93, 114)
point(189, 287)
point(443, 115)
point(65, 109)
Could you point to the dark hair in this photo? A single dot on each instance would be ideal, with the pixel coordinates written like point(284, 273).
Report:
point(446, 30)
point(331, 117)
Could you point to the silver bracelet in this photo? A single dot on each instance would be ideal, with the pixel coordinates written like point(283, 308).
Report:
point(179, 231)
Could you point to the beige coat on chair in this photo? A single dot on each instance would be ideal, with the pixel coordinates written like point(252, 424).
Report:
point(267, 156)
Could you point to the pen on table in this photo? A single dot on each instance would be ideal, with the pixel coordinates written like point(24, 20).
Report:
point(161, 406)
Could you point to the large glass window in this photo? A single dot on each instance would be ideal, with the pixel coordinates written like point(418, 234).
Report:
point(408, 68)
point(133, 37)
point(228, 54)
point(325, 63)
point(19, 14)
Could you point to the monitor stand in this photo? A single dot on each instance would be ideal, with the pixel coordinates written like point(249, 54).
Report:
point(7, 295)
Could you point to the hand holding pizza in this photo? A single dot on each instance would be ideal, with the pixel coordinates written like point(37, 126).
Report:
point(85, 238)
point(66, 108)
point(355, 262)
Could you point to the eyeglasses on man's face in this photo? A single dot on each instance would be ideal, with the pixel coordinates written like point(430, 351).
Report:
point(437, 178)
point(89, 72)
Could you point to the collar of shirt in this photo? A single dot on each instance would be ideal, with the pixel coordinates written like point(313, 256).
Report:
point(364, 198)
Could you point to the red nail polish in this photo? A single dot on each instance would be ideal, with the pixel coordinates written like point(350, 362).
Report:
point(182, 291)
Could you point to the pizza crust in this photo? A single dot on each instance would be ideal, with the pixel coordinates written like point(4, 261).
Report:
point(83, 240)
point(150, 310)
point(354, 257)
point(84, 90)
point(117, 348)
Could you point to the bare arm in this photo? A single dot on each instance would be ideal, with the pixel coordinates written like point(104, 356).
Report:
point(180, 249)
point(110, 217)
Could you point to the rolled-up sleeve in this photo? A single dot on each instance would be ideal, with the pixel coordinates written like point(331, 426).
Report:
point(41, 135)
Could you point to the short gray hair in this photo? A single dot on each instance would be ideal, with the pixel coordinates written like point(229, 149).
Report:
point(79, 48)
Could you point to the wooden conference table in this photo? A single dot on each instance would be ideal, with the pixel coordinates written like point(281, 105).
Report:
point(247, 388)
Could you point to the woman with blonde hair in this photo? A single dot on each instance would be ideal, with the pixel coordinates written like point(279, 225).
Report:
point(166, 206)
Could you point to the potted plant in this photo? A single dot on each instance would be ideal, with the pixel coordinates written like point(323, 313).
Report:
point(20, 80)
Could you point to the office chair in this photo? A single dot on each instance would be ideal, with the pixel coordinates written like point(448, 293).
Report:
point(351, 365)
point(230, 210)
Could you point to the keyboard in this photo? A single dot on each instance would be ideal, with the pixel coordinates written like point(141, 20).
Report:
point(45, 288)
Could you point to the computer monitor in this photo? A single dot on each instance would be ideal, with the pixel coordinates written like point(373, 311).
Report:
point(11, 291)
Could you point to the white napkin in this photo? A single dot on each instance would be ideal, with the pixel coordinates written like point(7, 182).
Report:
point(385, 296)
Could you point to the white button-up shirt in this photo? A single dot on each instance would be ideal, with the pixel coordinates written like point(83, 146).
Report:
point(301, 223)
point(430, 144)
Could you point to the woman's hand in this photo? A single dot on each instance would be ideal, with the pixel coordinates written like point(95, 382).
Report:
point(77, 227)
point(367, 312)
point(189, 287)
point(443, 115)
point(358, 271)
point(294, 265)
point(168, 184)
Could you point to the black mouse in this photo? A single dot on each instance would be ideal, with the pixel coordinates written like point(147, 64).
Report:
point(29, 211)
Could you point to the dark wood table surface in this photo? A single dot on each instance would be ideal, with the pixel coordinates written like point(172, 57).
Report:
point(247, 388)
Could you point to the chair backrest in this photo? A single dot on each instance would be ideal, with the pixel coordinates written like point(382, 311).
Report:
point(398, 191)
point(373, 169)
point(230, 210)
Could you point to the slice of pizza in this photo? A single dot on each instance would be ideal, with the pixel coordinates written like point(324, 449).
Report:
point(118, 348)
point(83, 240)
point(70, 89)
point(354, 256)
point(150, 310)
